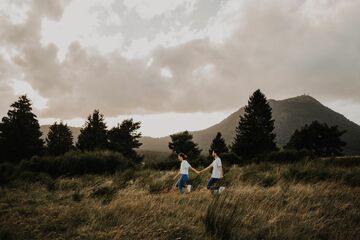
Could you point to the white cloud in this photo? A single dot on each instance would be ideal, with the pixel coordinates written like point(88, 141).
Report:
point(166, 72)
point(226, 22)
point(21, 88)
point(204, 72)
point(143, 47)
point(81, 23)
point(148, 9)
point(15, 11)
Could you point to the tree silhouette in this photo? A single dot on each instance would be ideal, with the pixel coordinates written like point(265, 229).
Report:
point(183, 142)
point(93, 135)
point(219, 144)
point(20, 135)
point(254, 134)
point(59, 139)
point(124, 138)
point(318, 138)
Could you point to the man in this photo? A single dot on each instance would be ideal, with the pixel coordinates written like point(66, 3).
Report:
point(217, 172)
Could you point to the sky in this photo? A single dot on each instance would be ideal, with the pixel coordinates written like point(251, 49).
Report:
point(176, 64)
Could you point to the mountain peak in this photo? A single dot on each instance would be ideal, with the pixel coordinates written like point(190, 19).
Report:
point(303, 99)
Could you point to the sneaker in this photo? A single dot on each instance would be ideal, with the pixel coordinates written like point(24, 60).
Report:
point(188, 188)
point(221, 189)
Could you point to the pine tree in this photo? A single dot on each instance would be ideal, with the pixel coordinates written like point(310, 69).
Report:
point(183, 142)
point(93, 135)
point(318, 138)
point(219, 144)
point(254, 134)
point(59, 139)
point(20, 135)
point(124, 138)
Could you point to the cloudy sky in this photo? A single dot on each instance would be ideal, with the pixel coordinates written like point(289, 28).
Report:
point(176, 64)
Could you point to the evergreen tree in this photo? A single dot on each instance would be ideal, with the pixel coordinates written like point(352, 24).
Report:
point(254, 134)
point(59, 139)
point(318, 138)
point(219, 144)
point(20, 135)
point(93, 135)
point(183, 142)
point(124, 138)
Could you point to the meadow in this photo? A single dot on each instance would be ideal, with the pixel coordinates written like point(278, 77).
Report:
point(309, 199)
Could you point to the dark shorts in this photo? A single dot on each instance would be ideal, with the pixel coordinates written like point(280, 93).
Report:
point(212, 183)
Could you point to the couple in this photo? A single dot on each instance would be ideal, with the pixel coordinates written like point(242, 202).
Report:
point(217, 173)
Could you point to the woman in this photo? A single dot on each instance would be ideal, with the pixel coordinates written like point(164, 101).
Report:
point(184, 173)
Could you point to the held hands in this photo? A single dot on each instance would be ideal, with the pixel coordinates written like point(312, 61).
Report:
point(199, 172)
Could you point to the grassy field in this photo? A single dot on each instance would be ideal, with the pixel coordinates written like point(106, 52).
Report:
point(317, 199)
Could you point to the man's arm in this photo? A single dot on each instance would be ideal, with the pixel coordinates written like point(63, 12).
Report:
point(207, 168)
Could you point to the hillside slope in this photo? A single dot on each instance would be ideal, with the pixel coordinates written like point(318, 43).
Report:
point(289, 114)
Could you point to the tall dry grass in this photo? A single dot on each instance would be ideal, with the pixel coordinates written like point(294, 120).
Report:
point(261, 202)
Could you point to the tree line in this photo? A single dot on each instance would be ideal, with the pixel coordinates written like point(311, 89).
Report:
point(20, 136)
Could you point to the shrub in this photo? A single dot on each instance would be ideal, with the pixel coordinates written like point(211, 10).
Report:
point(342, 161)
point(231, 158)
point(287, 156)
point(7, 172)
point(31, 177)
point(77, 163)
point(6, 235)
point(162, 164)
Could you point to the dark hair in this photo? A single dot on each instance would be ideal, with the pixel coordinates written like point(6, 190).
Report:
point(183, 156)
point(217, 152)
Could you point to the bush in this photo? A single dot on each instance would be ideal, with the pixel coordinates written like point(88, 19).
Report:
point(6, 235)
point(287, 156)
point(7, 172)
point(342, 161)
point(32, 177)
point(231, 158)
point(77, 163)
point(162, 164)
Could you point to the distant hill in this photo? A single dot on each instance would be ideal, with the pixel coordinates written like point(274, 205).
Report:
point(289, 114)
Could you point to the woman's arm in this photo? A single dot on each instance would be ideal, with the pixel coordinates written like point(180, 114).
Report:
point(221, 172)
point(177, 175)
point(193, 169)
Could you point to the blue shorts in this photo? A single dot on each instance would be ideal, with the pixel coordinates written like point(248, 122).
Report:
point(180, 184)
point(212, 182)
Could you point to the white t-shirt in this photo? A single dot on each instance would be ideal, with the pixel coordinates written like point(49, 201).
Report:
point(184, 167)
point(216, 164)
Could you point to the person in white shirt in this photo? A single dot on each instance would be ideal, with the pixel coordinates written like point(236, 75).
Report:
point(184, 173)
point(217, 172)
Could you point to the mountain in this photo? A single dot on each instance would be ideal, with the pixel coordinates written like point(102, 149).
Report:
point(289, 115)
